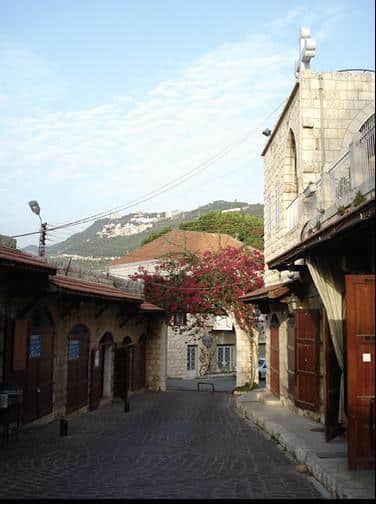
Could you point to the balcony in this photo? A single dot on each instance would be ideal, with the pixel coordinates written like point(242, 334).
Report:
point(349, 179)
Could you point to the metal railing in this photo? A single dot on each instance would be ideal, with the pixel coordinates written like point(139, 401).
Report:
point(340, 176)
point(367, 145)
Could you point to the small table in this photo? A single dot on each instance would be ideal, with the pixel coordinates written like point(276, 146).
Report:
point(8, 415)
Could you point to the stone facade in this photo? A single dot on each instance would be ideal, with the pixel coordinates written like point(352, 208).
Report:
point(323, 114)
point(58, 313)
point(320, 121)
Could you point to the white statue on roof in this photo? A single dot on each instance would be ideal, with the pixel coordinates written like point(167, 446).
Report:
point(307, 50)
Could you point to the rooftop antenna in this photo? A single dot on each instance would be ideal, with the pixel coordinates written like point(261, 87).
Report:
point(307, 51)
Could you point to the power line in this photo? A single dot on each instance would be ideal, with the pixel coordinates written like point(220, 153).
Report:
point(164, 188)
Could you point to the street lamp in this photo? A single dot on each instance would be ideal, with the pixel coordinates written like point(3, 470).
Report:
point(34, 206)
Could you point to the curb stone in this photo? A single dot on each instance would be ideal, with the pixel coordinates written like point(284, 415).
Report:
point(301, 453)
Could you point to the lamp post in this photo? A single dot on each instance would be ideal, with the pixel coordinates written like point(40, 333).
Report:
point(34, 206)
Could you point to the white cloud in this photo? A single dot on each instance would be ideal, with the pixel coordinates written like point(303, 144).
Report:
point(124, 148)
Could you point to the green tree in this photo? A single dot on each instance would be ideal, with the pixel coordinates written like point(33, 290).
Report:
point(155, 235)
point(244, 227)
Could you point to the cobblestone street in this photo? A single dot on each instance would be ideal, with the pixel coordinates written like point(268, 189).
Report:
point(170, 446)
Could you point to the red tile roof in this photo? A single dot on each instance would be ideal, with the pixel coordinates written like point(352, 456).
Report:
point(10, 257)
point(149, 307)
point(91, 289)
point(178, 242)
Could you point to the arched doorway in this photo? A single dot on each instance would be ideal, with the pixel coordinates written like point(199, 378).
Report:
point(122, 368)
point(101, 371)
point(38, 381)
point(274, 355)
point(78, 368)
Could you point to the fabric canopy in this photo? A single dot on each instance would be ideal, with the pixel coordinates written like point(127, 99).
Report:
point(329, 283)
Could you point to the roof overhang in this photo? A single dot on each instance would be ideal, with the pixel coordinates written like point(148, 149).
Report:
point(88, 289)
point(16, 259)
point(149, 307)
point(353, 219)
point(267, 293)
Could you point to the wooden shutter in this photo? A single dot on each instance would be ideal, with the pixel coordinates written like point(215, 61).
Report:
point(307, 366)
point(20, 343)
point(291, 358)
point(360, 333)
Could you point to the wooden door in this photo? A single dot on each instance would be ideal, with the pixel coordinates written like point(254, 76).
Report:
point(96, 376)
point(78, 367)
point(274, 356)
point(360, 335)
point(307, 361)
point(38, 387)
point(332, 385)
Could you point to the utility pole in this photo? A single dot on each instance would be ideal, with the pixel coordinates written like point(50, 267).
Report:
point(34, 206)
point(42, 239)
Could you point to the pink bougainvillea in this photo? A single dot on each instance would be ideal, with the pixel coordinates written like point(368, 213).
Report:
point(205, 284)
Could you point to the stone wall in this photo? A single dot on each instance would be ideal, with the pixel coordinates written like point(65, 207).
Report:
point(325, 112)
point(178, 342)
point(66, 314)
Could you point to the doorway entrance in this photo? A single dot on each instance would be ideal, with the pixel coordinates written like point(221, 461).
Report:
point(191, 361)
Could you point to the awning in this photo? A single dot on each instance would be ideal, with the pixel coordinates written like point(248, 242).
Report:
point(86, 288)
point(16, 259)
point(271, 292)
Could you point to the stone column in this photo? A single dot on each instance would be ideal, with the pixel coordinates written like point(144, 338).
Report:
point(156, 354)
point(245, 346)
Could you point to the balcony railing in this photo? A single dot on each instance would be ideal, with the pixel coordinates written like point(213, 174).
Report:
point(340, 177)
point(367, 147)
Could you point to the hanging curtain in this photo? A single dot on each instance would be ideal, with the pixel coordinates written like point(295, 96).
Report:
point(329, 284)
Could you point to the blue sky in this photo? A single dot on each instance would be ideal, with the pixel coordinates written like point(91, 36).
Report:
point(104, 101)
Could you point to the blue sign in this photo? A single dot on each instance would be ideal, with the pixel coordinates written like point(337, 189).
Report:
point(35, 346)
point(74, 349)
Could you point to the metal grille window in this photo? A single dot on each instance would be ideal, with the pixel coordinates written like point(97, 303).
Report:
point(225, 357)
point(191, 358)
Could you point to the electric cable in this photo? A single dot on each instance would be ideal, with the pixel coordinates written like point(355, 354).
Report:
point(164, 188)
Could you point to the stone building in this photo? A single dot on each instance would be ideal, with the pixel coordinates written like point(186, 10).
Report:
point(189, 355)
point(71, 345)
point(319, 256)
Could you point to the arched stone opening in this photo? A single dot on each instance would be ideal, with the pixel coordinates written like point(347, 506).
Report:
point(291, 167)
point(106, 352)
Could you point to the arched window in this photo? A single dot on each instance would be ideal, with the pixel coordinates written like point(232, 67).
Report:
point(292, 170)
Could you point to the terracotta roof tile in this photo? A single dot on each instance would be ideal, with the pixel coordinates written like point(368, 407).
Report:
point(19, 259)
point(178, 242)
point(84, 287)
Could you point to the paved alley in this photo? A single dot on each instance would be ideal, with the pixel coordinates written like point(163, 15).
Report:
point(174, 445)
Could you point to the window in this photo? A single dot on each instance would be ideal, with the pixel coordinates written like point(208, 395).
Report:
point(225, 357)
point(180, 319)
point(191, 358)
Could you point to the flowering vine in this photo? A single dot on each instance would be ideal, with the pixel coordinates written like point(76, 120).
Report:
point(206, 284)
